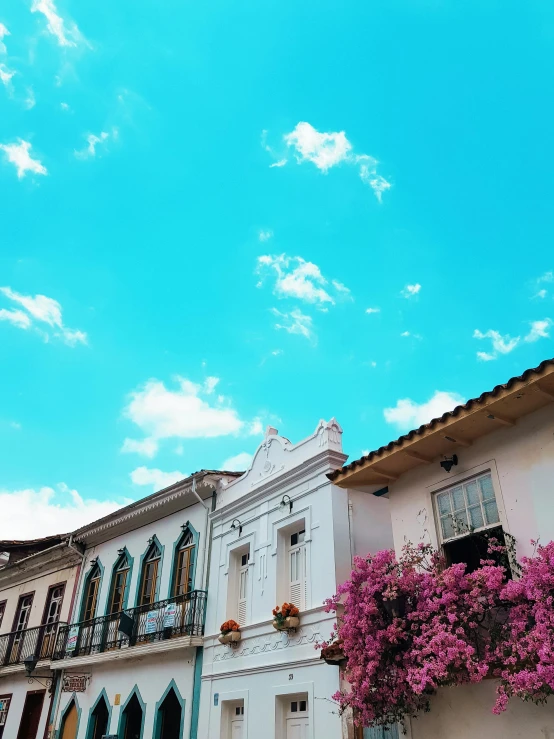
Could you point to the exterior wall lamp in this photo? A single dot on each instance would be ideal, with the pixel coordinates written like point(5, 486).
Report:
point(449, 462)
point(286, 501)
point(30, 663)
point(236, 524)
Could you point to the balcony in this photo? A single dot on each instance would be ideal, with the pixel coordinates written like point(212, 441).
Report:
point(156, 627)
point(39, 643)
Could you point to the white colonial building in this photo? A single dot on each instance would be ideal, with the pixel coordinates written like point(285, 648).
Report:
point(282, 532)
point(37, 588)
point(490, 465)
point(133, 648)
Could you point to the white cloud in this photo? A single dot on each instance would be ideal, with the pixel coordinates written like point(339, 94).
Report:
point(64, 106)
point(295, 322)
point(18, 155)
point(93, 141)
point(265, 145)
point(30, 100)
point(157, 478)
point(500, 344)
point(327, 150)
point(67, 35)
point(280, 163)
point(539, 330)
point(17, 317)
point(147, 447)
point(276, 352)
point(546, 277)
point(407, 414)
point(31, 513)
point(42, 309)
point(541, 293)
point(265, 235)
point(182, 413)
point(407, 334)
point(3, 33)
point(410, 290)
point(370, 311)
point(296, 278)
point(238, 463)
point(6, 76)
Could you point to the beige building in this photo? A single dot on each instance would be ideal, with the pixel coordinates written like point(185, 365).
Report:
point(490, 462)
point(37, 587)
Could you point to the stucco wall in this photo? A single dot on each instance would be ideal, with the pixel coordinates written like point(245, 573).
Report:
point(40, 586)
point(18, 686)
point(521, 459)
point(465, 712)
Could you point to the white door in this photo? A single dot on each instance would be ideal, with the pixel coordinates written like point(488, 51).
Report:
point(237, 722)
point(298, 720)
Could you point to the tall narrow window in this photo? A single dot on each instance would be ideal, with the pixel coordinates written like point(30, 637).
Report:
point(297, 569)
point(51, 618)
point(91, 593)
point(119, 583)
point(149, 575)
point(184, 565)
point(2, 610)
point(242, 589)
point(5, 701)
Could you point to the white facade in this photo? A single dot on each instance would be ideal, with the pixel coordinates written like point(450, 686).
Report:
point(281, 533)
point(518, 462)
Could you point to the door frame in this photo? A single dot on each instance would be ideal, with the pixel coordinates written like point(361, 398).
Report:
point(16, 614)
point(90, 724)
point(73, 699)
point(158, 716)
point(27, 694)
point(122, 716)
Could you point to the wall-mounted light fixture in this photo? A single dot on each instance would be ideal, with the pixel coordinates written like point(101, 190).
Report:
point(449, 462)
point(120, 551)
point(286, 501)
point(184, 526)
point(236, 525)
point(94, 561)
point(30, 663)
point(150, 540)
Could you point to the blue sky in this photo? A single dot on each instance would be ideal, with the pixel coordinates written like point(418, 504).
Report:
point(217, 217)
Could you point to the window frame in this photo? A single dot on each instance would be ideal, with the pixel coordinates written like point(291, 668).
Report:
point(3, 604)
point(190, 550)
point(5, 696)
point(116, 570)
point(148, 560)
point(89, 579)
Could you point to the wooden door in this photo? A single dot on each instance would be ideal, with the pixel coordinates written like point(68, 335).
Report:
point(30, 718)
point(51, 619)
point(19, 626)
point(69, 729)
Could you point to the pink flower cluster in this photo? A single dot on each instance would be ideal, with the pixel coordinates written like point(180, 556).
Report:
point(411, 625)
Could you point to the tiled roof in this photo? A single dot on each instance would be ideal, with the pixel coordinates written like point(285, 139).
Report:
point(458, 411)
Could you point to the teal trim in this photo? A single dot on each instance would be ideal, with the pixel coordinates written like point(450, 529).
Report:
point(66, 710)
point(123, 717)
point(176, 545)
point(156, 541)
point(130, 562)
point(158, 714)
point(196, 685)
point(85, 587)
point(90, 726)
point(56, 701)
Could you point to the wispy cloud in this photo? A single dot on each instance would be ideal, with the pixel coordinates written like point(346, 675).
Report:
point(19, 155)
point(407, 414)
point(66, 33)
point(43, 310)
point(546, 278)
point(539, 330)
point(295, 322)
point(326, 150)
point(30, 100)
point(191, 411)
point(6, 77)
point(30, 512)
point(265, 235)
point(155, 477)
point(297, 278)
point(93, 142)
point(371, 311)
point(500, 344)
point(409, 334)
point(238, 463)
point(3, 33)
point(411, 290)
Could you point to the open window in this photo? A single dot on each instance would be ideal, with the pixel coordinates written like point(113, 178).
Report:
point(296, 557)
point(183, 567)
point(91, 590)
point(239, 585)
point(148, 587)
point(468, 517)
point(121, 577)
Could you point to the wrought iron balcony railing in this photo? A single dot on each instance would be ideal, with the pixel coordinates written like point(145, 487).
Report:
point(39, 643)
point(165, 619)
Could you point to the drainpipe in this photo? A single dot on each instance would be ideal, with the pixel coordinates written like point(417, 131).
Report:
point(206, 511)
point(350, 530)
point(80, 570)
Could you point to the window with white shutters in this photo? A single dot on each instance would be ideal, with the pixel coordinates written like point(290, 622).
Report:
point(242, 589)
point(297, 570)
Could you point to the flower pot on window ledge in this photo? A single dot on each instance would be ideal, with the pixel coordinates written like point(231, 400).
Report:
point(230, 637)
point(291, 622)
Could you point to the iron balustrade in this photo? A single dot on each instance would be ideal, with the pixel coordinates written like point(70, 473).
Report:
point(39, 642)
point(182, 615)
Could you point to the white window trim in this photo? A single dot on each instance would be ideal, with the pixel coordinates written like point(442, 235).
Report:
point(230, 697)
point(285, 522)
point(282, 692)
point(242, 541)
point(452, 481)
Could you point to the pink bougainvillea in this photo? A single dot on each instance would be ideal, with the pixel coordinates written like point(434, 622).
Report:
point(411, 625)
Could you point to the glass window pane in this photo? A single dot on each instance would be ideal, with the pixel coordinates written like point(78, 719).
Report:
point(443, 501)
point(302, 705)
point(472, 492)
point(294, 707)
point(447, 527)
point(491, 512)
point(487, 490)
point(476, 517)
point(458, 502)
point(460, 522)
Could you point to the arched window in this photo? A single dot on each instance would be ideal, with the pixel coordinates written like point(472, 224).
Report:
point(90, 597)
point(149, 575)
point(184, 564)
point(120, 580)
